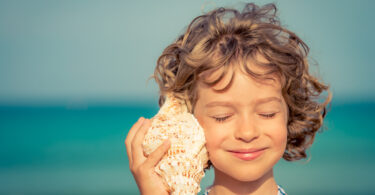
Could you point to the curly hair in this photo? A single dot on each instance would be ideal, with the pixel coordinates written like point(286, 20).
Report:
point(217, 38)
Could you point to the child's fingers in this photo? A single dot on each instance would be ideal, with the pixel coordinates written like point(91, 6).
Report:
point(130, 136)
point(136, 145)
point(157, 155)
point(133, 130)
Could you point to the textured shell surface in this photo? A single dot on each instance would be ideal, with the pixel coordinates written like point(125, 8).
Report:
point(182, 167)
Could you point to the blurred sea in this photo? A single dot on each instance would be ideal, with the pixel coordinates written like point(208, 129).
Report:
point(68, 150)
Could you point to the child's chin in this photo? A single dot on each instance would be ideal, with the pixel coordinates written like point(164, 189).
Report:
point(244, 174)
point(247, 177)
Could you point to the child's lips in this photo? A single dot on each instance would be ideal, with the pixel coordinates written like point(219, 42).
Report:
point(247, 150)
point(247, 154)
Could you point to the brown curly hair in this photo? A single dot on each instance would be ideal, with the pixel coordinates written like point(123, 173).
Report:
point(217, 38)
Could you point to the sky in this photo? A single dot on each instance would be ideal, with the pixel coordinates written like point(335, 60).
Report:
point(85, 51)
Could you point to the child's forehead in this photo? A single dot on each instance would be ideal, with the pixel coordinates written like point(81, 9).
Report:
point(238, 67)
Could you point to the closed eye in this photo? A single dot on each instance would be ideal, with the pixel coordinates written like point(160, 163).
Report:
point(221, 119)
point(271, 115)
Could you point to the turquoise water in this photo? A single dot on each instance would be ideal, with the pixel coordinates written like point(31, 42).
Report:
point(59, 150)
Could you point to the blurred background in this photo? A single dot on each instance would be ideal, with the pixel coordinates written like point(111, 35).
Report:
point(73, 80)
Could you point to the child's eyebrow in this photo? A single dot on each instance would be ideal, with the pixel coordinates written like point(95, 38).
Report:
point(219, 103)
point(267, 99)
point(230, 104)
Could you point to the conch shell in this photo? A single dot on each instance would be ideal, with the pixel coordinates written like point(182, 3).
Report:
point(182, 167)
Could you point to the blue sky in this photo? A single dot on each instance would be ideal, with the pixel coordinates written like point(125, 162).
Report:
point(104, 51)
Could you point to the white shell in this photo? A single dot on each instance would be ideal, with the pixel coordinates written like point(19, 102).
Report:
point(182, 168)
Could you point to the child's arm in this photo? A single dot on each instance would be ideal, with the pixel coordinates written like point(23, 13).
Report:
point(141, 167)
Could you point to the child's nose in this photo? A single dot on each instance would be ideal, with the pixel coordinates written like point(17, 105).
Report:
point(246, 130)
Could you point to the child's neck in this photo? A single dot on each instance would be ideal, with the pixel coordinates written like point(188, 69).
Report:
point(226, 185)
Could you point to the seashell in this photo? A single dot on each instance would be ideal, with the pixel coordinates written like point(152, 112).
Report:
point(182, 167)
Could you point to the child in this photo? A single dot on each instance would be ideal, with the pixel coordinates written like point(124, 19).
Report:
point(246, 79)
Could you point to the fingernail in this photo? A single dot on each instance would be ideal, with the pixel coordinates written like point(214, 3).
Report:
point(141, 120)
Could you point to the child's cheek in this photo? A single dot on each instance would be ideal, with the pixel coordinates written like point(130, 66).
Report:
point(215, 135)
point(277, 132)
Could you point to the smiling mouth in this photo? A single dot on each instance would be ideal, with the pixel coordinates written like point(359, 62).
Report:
point(247, 150)
point(247, 156)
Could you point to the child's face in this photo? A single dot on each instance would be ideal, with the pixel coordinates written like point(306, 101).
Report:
point(238, 119)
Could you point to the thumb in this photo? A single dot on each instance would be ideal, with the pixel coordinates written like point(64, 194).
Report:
point(154, 158)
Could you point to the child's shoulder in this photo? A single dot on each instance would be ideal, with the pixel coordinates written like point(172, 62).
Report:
point(280, 191)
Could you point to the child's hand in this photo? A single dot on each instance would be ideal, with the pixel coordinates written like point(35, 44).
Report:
point(142, 168)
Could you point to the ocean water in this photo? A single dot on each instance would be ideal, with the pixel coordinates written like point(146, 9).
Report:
point(62, 150)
